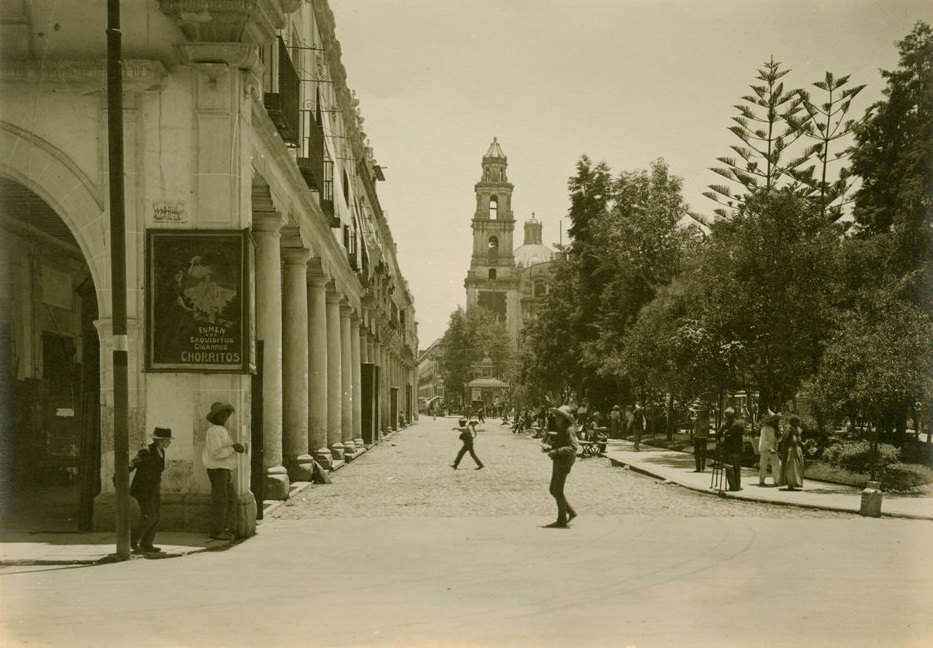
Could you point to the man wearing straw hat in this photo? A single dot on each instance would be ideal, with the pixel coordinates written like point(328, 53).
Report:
point(219, 458)
point(149, 463)
point(561, 446)
point(768, 449)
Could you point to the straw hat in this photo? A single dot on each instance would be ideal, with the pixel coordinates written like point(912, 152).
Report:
point(217, 409)
point(565, 412)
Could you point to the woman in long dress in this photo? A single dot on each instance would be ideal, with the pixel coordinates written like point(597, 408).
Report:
point(791, 448)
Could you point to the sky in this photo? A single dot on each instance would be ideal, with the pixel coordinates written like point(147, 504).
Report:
point(621, 81)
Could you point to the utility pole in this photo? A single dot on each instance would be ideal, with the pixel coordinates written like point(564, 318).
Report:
point(121, 457)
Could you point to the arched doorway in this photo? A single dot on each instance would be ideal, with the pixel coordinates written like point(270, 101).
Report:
point(49, 370)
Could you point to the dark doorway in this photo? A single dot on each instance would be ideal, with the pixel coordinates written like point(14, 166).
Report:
point(49, 372)
point(370, 404)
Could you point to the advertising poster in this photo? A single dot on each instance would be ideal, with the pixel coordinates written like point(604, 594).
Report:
point(197, 301)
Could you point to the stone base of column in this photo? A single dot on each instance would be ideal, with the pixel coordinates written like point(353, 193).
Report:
point(336, 451)
point(246, 519)
point(325, 458)
point(359, 442)
point(349, 447)
point(276, 483)
point(300, 468)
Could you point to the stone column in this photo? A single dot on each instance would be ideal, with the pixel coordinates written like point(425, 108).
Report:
point(356, 389)
point(386, 379)
point(295, 364)
point(365, 358)
point(346, 378)
point(266, 226)
point(334, 366)
point(317, 369)
point(374, 358)
point(364, 345)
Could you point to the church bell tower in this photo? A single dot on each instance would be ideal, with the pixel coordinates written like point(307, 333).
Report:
point(492, 281)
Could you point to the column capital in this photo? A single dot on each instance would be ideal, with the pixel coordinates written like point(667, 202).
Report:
point(317, 280)
point(345, 309)
point(296, 256)
point(333, 297)
point(268, 222)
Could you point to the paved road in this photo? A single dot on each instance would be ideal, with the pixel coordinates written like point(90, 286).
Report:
point(402, 551)
point(410, 476)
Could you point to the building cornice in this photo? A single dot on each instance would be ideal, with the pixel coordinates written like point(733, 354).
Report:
point(229, 21)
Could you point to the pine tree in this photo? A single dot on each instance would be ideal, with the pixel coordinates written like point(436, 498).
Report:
point(827, 124)
point(768, 123)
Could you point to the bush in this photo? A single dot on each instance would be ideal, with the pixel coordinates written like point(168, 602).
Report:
point(902, 478)
point(857, 456)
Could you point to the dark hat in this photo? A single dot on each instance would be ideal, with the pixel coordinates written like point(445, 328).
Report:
point(795, 420)
point(462, 421)
point(217, 409)
point(161, 433)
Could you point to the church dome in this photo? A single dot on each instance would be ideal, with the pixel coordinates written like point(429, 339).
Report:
point(532, 251)
point(529, 255)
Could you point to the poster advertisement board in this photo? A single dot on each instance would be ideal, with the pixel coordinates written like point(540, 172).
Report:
point(197, 301)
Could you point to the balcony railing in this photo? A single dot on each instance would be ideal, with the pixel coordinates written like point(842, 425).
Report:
point(280, 91)
point(317, 171)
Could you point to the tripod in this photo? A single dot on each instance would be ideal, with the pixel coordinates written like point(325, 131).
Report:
point(718, 479)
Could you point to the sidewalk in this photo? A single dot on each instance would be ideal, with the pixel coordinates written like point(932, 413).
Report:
point(677, 467)
point(93, 547)
point(96, 547)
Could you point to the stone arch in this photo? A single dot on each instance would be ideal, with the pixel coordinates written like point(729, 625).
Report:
point(50, 174)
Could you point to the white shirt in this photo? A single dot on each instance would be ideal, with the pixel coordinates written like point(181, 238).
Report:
point(768, 440)
point(218, 449)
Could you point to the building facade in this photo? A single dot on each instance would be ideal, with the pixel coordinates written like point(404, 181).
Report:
point(261, 269)
point(430, 381)
point(509, 282)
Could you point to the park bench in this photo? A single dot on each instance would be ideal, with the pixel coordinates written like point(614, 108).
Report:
point(591, 448)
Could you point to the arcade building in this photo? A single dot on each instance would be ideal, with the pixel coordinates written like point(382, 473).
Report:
point(261, 268)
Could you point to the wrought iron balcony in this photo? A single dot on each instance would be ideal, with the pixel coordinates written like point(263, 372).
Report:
point(316, 169)
point(280, 91)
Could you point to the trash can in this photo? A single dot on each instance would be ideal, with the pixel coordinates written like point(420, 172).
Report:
point(871, 500)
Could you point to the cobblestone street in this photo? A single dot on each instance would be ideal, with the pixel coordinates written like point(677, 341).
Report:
point(410, 475)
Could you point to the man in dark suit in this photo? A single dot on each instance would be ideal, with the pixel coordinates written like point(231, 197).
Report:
point(731, 438)
point(146, 489)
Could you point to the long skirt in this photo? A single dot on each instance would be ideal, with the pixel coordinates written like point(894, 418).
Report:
point(792, 467)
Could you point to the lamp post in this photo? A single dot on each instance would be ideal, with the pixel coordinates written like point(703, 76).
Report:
point(121, 457)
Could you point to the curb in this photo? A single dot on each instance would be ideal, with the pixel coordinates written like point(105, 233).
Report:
point(746, 498)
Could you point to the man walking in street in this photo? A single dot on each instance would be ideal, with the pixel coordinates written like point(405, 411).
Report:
point(149, 463)
point(467, 435)
point(219, 458)
point(561, 446)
